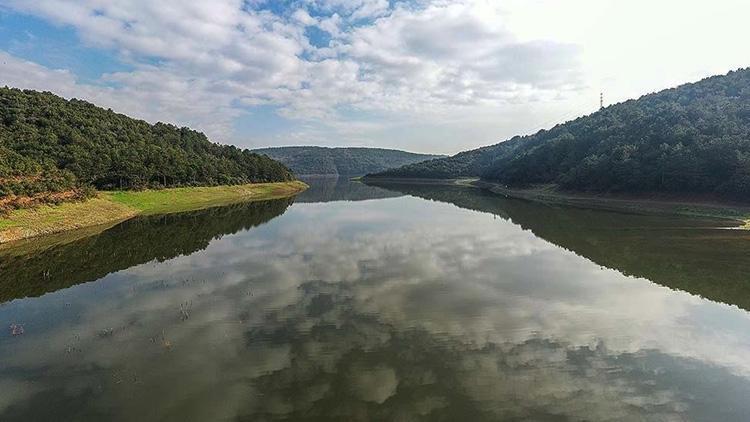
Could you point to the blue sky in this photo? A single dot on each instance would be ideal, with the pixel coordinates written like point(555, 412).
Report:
point(423, 75)
point(37, 40)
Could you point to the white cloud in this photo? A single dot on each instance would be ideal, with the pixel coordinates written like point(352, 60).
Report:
point(355, 9)
point(149, 93)
point(457, 54)
point(205, 39)
point(419, 65)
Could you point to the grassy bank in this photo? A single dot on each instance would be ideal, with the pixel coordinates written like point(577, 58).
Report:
point(111, 207)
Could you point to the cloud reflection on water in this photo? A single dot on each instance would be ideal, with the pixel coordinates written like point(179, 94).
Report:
point(392, 309)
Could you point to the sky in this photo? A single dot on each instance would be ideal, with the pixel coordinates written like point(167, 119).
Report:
point(434, 76)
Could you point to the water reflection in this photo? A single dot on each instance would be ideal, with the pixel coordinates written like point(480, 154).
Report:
point(334, 188)
point(38, 266)
point(396, 309)
point(683, 253)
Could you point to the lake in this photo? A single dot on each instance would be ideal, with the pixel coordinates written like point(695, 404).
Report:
point(401, 302)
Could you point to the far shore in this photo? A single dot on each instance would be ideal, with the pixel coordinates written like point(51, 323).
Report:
point(108, 208)
point(653, 204)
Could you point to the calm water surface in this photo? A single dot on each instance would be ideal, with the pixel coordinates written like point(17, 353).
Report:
point(361, 303)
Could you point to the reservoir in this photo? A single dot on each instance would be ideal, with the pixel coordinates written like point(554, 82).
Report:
point(405, 302)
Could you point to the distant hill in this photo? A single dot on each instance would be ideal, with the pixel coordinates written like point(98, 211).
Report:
point(691, 139)
point(304, 160)
point(50, 144)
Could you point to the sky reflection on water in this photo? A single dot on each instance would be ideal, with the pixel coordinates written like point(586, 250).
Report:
point(386, 309)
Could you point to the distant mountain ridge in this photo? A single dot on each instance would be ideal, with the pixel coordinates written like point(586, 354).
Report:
point(693, 139)
point(352, 161)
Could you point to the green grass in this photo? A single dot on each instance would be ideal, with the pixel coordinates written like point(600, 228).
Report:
point(193, 198)
point(4, 224)
point(111, 207)
point(47, 219)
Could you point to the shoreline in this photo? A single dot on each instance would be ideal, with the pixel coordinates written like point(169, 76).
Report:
point(739, 213)
point(108, 208)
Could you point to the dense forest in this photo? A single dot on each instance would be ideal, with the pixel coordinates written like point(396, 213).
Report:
point(49, 144)
point(305, 160)
point(691, 139)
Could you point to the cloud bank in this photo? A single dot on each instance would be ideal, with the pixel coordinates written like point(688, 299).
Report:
point(424, 74)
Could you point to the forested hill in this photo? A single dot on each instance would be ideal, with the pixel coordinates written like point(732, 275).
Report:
point(304, 160)
point(691, 139)
point(49, 144)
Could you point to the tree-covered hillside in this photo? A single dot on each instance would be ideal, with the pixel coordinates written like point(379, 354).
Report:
point(49, 144)
point(344, 161)
point(464, 164)
point(693, 139)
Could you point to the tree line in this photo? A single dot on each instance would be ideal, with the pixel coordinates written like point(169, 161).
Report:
point(48, 143)
point(693, 139)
